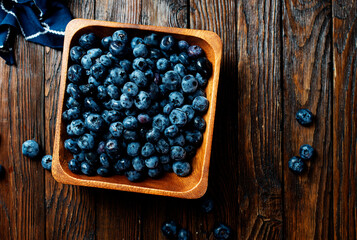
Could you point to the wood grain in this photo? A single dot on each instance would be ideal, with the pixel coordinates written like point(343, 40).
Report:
point(70, 210)
point(22, 216)
point(307, 84)
point(344, 119)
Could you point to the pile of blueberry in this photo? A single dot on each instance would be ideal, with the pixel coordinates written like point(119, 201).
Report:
point(135, 105)
point(297, 163)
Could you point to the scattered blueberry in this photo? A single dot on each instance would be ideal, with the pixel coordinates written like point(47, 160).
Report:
point(306, 152)
point(46, 162)
point(304, 117)
point(183, 234)
point(296, 164)
point(169, 229)
point(222, 232)
point(30, 148)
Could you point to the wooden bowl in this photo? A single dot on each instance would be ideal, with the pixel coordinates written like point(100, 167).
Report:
point(192, 186)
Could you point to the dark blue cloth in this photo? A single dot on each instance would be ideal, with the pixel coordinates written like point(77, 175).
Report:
point(39, 21)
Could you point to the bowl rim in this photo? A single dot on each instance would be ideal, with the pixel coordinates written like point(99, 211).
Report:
point(197, 190)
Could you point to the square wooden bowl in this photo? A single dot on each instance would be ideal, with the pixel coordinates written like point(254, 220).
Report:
point(192, 186)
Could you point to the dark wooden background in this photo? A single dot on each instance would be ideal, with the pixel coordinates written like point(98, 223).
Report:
point(279, 56)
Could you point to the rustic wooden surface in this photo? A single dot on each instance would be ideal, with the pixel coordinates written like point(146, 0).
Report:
point(278, 56)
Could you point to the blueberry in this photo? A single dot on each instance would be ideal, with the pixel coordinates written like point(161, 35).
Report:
point(106, 42)
point(120, 35)
point(74, 166)
point(222, 232)
point(171, 80)
point(155, 53)
point(142, 100)
point(94, 52)
point(190, 113)
point(77, 127)
point(87, 169)
point(93, 81)
point(306, 152)
point(174, 58)
point(200, 104)
point(176, 98)
point(75, 73)
point(160, 122)
point(155, 172)
point(304, 117)
point(152, 162)
point(91, 158)
point(179, 140)
point(140, 64)
point(147, 150)
point(134, 176)
point(184, 234)
point(91, 105)
point(143, 118)
point(69, 130)
point(207, 204)
point(46, 162)
point(125, 64)
point(162, 146)
point(113, 92)
point(97, 70)
point(191, 97)
point(178, 117)
point(130, 135)
point(71, 114)
point(87, 41)
point(204, 67)
point(86, 142)
point(138, 164)
point(93, 122)
point(112, 146)
point(296, 164)
point(73, 91)
point(104, 160)
point(183, 45)
point(140, 50)
point(102, 171)
point(162, 64)
point(136, 41)
point(165, 159)
point(71, 145)
point(133, 149)
point(202, 82)
point(118, 76)
point(71, 102)
point(138, 77)
point(194, 51)
point(116, 129)
point(171, 131)
point(102, 93)
point(169, 229)
point(199, 123)
point(180, 69)
point(131, 89)
point(117, 48)
point(115, 105)
point(167, 43)
point(105, 61)
point(122, 165)
point(87, 62)
point(126, 101)
point(189, 84)
point(130, 123)
point(177, 153)
point(152, 40)
point(183, 58)
point(194, 137)
point(168, 108)
point(76, 53)
point(87, 89)
point(152, 135)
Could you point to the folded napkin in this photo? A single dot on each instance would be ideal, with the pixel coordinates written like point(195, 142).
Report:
point(39, 21)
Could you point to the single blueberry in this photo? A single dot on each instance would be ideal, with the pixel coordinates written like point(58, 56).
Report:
point(97, 70)
point(71, 145)
point(152, 162)
point(140, 50)
point(183, 45)
point(74, 166)
point(102, 171)
point(87, 62)
point(154, 109)
point(112, 146)
point(77, 127)
point(131, 89)
point(122, 165)
point(152, 40)
point(115, 105)
point(134, 176)
point(296, 164)
point(147, 149)
point(183, 58)
point(152, 135)
point(202, 82)
point(207, 204)
point(76, 53)
point(183, 234)
point(306, 152)
point(91, 158)
point(140, 64)
point(69, 130)
point(106, 42)
point(87, 169)
point(79, 157)
point(174, 58)
point(87, 41)
point(168, 108)
point(133, 149)
point(101, 147)
point(169, 229)
point(171, 131)
point(200, 104)
point(190, 151)
point(86, 142)
point(71, 114)
point(131, 112)
point(190, 113)
point(179, 140)
point(130, 123)
point(104, 160)
point(167, 167)
point(117, 48)
point(93, 122)
point(194, 137)
point(199, 123)
point(180, 69)
point(126, 101)
point(155, 54)
point(120, 35)
point(162, 64)
point(105, 61)
point(116, 129)
point(142, 100)
point(167, 43)
point(118, 76)
point(154, 91)
point(160, 122)
point(178, 117)
point(92, 80)
point(204, 67)
point(136, 41)
point(102, 93)
point(177, 153)
point(171, 80)
point(94, 52)
point(138, 164)
point(113, 92)
point(90, 105)
point(75, 73)
point(73, 90)
point(46, 162)
point(176, 98)
point(87, 89)
point(71, 103)
point(189, 84)
point(125, 64)
point(222, 232)
point(143, 118)
point(304, 117)
point(195, 51)
point(139, 78)
point(162, 146)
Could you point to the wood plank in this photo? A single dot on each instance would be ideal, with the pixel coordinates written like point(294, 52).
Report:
point(21, 118)
point(70, 210)
point(344, 119)
point(307, 84)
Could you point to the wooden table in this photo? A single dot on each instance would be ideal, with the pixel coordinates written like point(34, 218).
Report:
point(279, 56)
